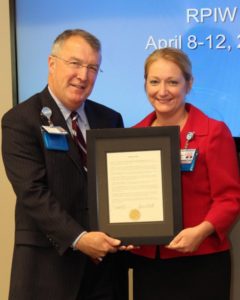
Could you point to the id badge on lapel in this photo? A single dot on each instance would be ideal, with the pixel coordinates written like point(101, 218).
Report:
point(188, 156)
point(188, 159)
point(55, 138)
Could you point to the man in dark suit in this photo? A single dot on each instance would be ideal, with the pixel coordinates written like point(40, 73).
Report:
point(56, 257)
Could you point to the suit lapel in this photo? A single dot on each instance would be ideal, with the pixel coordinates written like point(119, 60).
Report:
point(93, 120)
point(58, 120)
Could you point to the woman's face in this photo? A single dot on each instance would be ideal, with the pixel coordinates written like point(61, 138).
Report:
point(166, 87)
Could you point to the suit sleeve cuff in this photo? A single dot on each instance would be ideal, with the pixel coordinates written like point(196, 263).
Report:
point(77, 239)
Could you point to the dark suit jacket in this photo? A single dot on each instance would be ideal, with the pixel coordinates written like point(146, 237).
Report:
point(51, 207)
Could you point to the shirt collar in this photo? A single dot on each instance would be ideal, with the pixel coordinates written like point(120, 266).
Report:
point(66, 112)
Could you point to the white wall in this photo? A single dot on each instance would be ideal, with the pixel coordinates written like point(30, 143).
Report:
point(6, 194)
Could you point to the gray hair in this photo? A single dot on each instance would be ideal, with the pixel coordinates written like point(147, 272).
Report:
point(65, 35)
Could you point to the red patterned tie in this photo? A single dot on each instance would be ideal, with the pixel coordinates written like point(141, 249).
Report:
point(78, 138)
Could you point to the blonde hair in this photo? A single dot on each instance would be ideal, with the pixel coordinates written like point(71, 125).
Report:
point(174, 55)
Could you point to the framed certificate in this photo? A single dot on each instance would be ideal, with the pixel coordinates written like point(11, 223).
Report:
point(134, 183)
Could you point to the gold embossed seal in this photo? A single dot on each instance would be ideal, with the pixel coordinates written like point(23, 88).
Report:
point(134, 214)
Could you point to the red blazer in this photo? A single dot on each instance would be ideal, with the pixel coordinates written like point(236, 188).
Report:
point(212, 191)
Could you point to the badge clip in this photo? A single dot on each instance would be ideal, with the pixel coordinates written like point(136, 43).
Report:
point(190, 135)
point(188, 156)
point(54, 137)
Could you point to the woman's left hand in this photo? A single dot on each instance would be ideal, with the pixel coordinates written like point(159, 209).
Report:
point(189, 239)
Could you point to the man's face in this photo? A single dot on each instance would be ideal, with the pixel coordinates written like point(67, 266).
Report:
point(73, 71)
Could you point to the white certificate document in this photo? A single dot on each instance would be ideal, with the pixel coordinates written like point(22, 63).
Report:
point(135, 186)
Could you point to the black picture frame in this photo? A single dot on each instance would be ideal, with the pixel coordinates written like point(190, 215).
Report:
point(100, 142)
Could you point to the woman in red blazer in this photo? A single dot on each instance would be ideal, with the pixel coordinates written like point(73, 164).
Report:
point(196, 263)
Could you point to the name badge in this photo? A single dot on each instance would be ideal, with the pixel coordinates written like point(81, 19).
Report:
point(188, 159)
point(55, 138)
point(54, 130)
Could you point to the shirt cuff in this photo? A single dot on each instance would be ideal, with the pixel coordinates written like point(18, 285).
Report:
point(77, 239)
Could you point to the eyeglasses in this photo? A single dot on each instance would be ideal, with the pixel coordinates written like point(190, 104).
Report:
point(76, 65)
